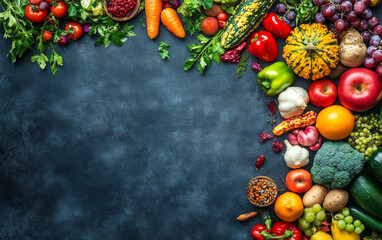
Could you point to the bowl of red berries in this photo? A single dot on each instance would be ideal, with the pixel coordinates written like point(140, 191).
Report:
point(121, 10)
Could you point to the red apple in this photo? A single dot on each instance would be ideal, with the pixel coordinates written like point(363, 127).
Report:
point(298, 180)
point(322, 93)
point(359, 89)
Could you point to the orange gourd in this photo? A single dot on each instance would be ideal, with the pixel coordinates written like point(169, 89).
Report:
point(153, 9)
point(172, 22)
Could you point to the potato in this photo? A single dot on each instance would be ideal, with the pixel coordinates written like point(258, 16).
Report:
point(335, 200)
point(315, 194)
point(352, 50)
point(214, 10)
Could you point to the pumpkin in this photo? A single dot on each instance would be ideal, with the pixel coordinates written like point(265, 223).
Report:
point(311, 50)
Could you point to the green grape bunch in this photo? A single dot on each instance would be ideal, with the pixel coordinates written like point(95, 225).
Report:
point(346, 221)
point(367, 134)
point(312, 219)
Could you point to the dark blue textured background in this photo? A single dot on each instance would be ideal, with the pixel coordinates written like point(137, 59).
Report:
point(120, 144)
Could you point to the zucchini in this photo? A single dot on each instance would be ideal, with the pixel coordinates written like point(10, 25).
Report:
point(367, 193)
point(369, 222)
point(244, 20)
point(374, 165)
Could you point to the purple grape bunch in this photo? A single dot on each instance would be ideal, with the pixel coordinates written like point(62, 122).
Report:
point(343, 14)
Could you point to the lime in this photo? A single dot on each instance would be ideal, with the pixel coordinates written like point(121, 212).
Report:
point(98, 11)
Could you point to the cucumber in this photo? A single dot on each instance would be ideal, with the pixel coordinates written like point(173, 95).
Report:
point(367, 193)
point(374, 165)
point(244, 20)
point(371, 224)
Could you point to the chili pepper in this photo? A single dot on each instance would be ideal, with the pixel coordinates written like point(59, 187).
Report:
point(305, 120)
point(233, 55)
point(263, 45)
point(280, 228)
point(273, 24)
point(275, 78)
point(259, 161)
point(272, 107)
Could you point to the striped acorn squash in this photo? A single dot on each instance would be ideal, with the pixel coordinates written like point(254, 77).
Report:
point(311, 50)
point(244, 20)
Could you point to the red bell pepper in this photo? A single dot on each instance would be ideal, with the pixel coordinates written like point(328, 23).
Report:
point(263, 46)
point(257, 230)
point(273, 24)
point(279, 228)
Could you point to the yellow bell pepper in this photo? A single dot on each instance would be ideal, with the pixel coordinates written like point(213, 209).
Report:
point(321, 236)
point(342, 234)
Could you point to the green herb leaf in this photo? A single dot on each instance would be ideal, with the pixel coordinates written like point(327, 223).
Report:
point(242, 66)
point(189, 63)
point(116, 40)
point(56, 60)
point(41, 60)
point(207, 4)
point(72, 11)
point(163, 50)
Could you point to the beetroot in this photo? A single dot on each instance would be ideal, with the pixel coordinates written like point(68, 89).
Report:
point(277, 146)
point(264, 136)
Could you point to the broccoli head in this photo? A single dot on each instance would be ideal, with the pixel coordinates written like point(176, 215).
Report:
point(336, 164)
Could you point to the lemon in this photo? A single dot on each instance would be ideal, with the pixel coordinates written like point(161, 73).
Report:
point(321, 236)
point(98, 11)
point(86, 4)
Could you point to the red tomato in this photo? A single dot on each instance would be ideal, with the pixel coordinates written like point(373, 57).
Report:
point(34, 14)
point(47, 35)
point(49, 1)
point(222, 16)
point(51, 21)
point(59, 10)
point(299, 181)
point(77, 28)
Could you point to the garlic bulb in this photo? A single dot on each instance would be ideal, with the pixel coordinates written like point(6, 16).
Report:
point(292, 102)
point(295, 156)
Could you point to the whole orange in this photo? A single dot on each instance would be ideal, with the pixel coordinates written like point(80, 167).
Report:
point(335, 122)
point(289, 207)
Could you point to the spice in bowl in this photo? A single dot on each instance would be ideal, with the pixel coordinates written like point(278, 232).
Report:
point(261, 191)
point(121, 8)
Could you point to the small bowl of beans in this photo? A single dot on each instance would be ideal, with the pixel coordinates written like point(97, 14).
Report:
point(261, 191)
point(121, 10)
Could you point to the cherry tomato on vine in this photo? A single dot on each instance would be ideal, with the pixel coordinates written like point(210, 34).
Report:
point(59, 10)
point(50, 19)
point(34, 14)
point(49, 1)
point(47, 35)
point(77, 29)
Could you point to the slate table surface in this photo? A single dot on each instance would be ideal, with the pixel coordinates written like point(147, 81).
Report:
point(120, 144)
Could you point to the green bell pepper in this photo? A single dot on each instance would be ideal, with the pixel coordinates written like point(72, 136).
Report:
point(275, 78)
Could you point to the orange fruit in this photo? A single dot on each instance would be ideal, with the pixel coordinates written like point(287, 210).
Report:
point(335, 122)
point(289, 207)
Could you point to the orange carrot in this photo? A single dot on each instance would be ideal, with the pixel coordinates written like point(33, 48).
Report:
point(172, 22)
point(152, 10)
